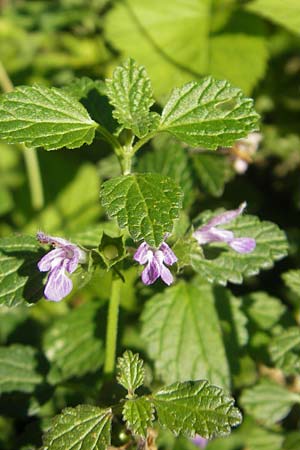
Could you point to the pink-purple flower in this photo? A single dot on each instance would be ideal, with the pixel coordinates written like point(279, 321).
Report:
point(59, 261)
point(199, 441)
point(210, 233)
point(156, 261)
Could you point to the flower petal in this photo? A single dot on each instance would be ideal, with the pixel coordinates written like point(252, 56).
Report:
point(166, 275)
point(58, 285)
point(213, 235)
point(51, 260)
point(243, 245)
point(151, 271)
point(141, 255)
point(56, 241)
point(169, 256)
point(225, 217)
point(200, 441)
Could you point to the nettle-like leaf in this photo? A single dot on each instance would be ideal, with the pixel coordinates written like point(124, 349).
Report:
point(196, 407)
point(20, 280)
point(222, 264)
point(130, 371)
point(18, 369)
point(285, 351)
point(138, 414)
point(146, 203)
point(84, 427)
point(209, 113)
point(292, 281)
point(268, 401)
point(72, 344)
point(265, 311)
point(44, 117)
point(130, 92)
point(184, 317)
point(213, 171)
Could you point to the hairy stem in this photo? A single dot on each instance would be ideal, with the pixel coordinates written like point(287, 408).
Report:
point(112, 327)
point(30, 156)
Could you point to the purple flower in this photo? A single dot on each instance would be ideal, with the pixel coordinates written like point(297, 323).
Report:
point(199, 441)
point(64, 258)
point(209, 233)
point(155, 260)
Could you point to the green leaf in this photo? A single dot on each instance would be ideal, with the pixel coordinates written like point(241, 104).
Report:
point(286, 14)
point(292, 281)
point(268, 401)
point(146, 203)
point(84, 427)
point(222, 264)
point(18, 369)
point(72, 344)
point(138, 415)
point(196, 407)
point(20, 279)
point(264, 310)
point(184, 317)
point(213, 171)
point(285, 351)
point(130, 92)
point(39, 116)
point(209, 113)
point(292, 441)
point(130, 371)
point(111, 249)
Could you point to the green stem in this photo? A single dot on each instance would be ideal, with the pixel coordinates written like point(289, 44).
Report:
point(30, 156)
point(110, 138)
point(112, 327)
point(143, 141)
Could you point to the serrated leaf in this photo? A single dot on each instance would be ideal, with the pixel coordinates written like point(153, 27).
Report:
point(292, 281)
point(82, 428)
point(18, 369)
point(130, 371)
point(285, 351)
point(73, 345)
point(196, 407)
point(44, 117)
point(221, 264)
point(268, 401)
point(146, 203)
point(130, 92)
point(286, 14)
point(184, 317)
point(209, 113)
point(138, 415)
point(20, 280)
point(263, 309)
point(213, 171)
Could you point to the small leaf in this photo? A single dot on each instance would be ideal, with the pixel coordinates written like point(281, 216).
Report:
point(130, 92)
point(209, 113)
point(264, 310)
point(43, 117)
point(130, 371)
point(292, 281)
point(196, 407)
point(139, 415)
point(20, 279)
point(146, 203)
point(222, 264)
point(285, 351)
point(72, 344)
point(213, 172)
point(111, 249)
point(184, 317)
point(268, 401)
point(84, 427)
point(18, 369)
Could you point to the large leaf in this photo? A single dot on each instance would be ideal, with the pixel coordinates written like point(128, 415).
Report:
point(73, 345)
point(20, 279)
point(130, 93)
point(209, 114)
point(139, 415)
point(146, 203)
point(84, 427)
point(268, 401)
point(177, 42)
point(18, 369)
point(196, 408)
point(184, 317)
point(285, 13)
point(39, 116)
point(285, 351)
point(221, 264)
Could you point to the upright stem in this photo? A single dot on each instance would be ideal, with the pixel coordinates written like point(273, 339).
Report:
point(112, 327)
point(30, 156)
